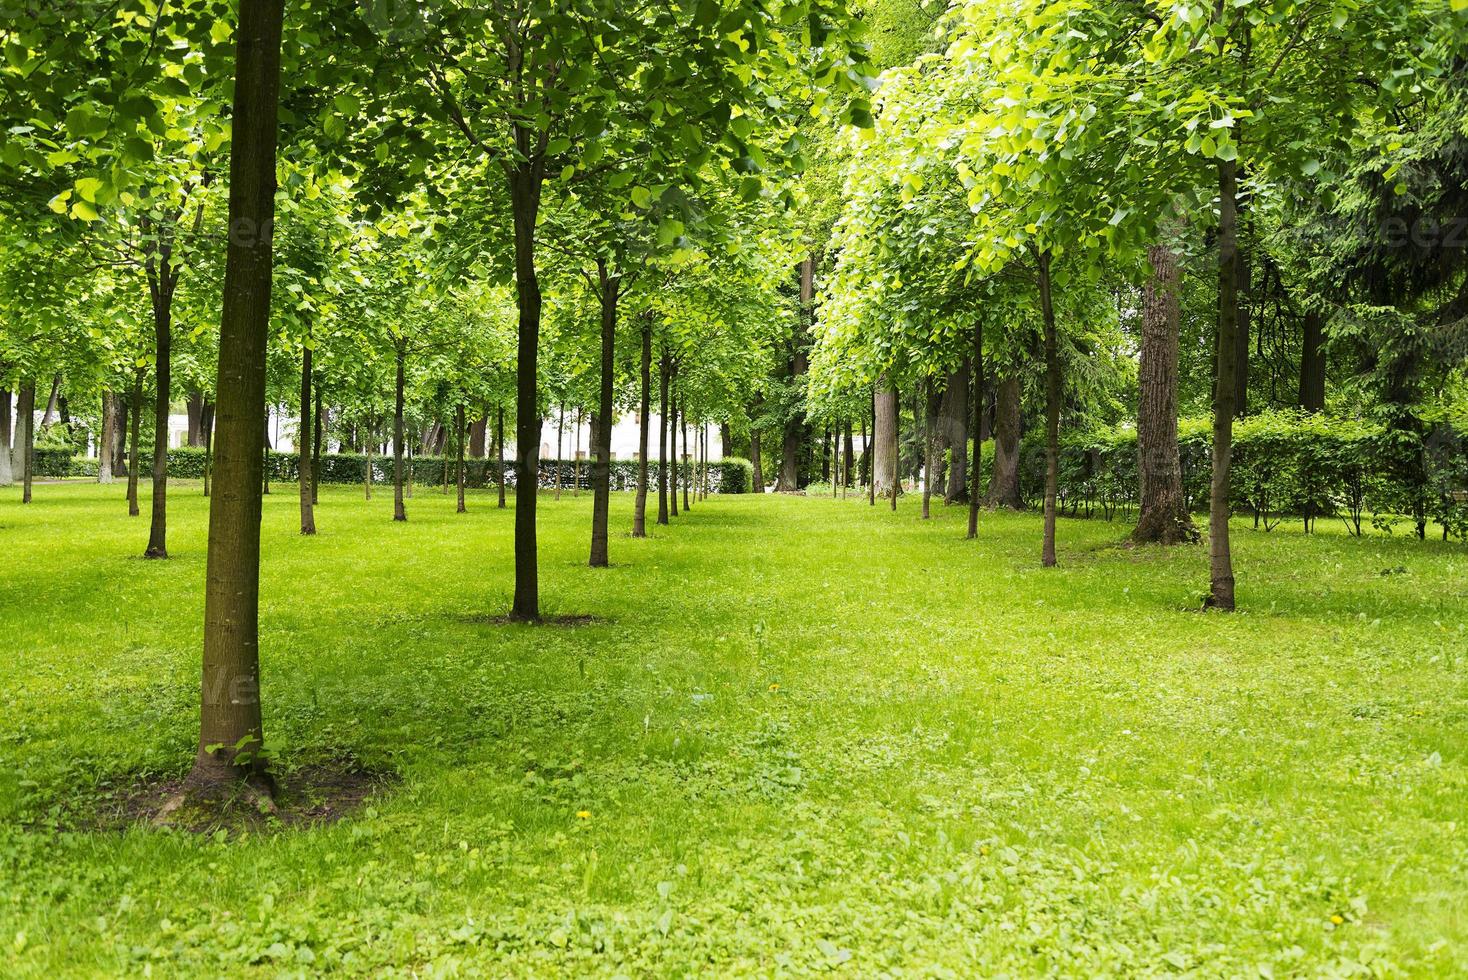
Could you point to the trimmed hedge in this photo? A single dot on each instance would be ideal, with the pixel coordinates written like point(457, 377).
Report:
point(1285, 464)
point(730, 475)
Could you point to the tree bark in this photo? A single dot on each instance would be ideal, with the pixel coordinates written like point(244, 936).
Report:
point(1221, 569)
point(1312, 364)
point(194, 406)
point(230, 729)
point(794, 438)
point(308, 516)
point(1052, 408)
point(1164, 515)
point(7, 474)
point(208, 445)
point(664, 370)
point(477, 434)
point(639, 511)
point(399, 511)
point(1004, 480)
point(954, 432)
point(104, 440)
point(560, 442)
point(601, 475)
point(25, 437)
point(163, 340)
point(525, 189)
point(977, 404)
point(884, 458)
point(848, 454)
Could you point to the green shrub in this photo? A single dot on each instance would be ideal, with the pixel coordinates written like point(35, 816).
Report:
point(1286, 464)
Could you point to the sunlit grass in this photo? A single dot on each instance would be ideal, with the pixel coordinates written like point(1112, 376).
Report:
point(802, 733)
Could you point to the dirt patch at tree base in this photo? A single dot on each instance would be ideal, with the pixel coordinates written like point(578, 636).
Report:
point(567, 620)
point(307, 796)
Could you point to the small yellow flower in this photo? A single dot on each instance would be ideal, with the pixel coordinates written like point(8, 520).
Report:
point(774, 687)
point(1337, 920)
point(583, 814)
point(983, 848)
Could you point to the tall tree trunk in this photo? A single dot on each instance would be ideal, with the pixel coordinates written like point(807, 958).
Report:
point(308, 516)
point(460, 432)
point(230, 730)
point(664, 370)
point(895, 448)
point(795, 435)
point(1312, 364)
point(1221, 567)
point(755, 451)
point(133, 468)
point(1004, 479)
point(677, 470)
point(601, 474)
point(954, 433)
point(683, 420)
point(560, 442)
point(847, 457)
point(53, 400)
point(977, 406)
point(208, 446)
point(104, 441)
point(576, 454)
point(477, 434)
point(163, 339)
point(25, 426)
point(318, 423)
point(499, 448)
point(7, 473)
point(867, 454)
point(367, 471)
point(930, 469)
point(1243, 332)
point(884, 439)
point(1052, 408)
point(639, 511)
point(399, 511)
point(525, 188)
point(194, 406)
point(1164, 514)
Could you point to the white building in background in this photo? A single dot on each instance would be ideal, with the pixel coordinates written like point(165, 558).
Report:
point(625, 435)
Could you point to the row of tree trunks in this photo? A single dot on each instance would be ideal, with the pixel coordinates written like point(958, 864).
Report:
point(639, 511)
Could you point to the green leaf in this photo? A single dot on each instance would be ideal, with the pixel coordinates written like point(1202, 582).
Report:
point(669, 231)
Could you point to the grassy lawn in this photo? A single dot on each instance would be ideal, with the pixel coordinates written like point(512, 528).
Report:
point(808, 735)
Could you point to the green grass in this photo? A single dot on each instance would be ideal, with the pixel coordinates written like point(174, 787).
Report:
point(970, 764)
